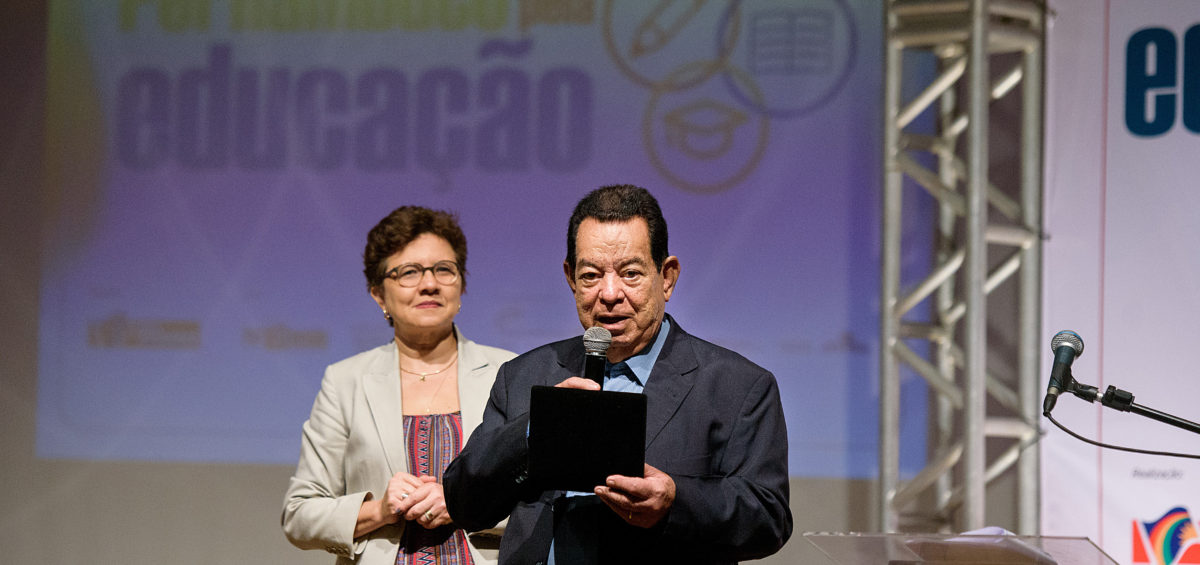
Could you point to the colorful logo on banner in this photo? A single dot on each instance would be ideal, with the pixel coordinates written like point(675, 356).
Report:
point(1170, 540)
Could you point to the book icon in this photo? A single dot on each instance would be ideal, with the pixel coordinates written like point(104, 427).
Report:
point(792, 42)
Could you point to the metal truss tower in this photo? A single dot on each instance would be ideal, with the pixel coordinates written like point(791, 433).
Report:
point(984, 410)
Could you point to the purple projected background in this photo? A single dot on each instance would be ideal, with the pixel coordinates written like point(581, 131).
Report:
point(219, 170)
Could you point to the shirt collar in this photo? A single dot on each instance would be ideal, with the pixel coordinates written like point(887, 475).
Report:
point(643, 361)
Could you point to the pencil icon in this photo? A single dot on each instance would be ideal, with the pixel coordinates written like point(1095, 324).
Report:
point(662, 24)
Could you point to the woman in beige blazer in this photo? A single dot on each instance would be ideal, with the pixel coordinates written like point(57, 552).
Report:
point(387, 421)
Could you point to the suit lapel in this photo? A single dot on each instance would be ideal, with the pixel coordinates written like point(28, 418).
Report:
point(473, 386)
point(669, 381)
point(570, 360)
point(381, 386)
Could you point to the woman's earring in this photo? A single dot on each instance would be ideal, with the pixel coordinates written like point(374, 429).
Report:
point(386, 315)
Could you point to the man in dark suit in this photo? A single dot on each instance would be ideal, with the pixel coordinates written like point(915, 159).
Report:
point(715, 484)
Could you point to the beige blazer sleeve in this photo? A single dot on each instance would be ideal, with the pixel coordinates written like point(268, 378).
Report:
point(353, 442)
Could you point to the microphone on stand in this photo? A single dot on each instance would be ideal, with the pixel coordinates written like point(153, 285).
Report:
point(1067, 345)
point(595, 344)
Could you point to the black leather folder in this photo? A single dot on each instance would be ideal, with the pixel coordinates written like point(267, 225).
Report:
point(577, 438)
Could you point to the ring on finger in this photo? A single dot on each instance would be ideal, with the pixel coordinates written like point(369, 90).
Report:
point(428, 515)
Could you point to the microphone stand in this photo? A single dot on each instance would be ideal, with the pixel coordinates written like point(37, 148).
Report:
point(1122, 401)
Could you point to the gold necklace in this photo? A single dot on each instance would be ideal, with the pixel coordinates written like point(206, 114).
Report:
point(422, 376)
point(433, 397)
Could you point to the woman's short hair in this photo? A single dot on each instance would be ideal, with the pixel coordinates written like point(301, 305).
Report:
point(398, 229)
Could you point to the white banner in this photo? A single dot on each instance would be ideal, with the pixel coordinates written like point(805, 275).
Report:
point(1122, 269)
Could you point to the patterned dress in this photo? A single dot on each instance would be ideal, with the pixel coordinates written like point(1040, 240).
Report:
point(432, 441)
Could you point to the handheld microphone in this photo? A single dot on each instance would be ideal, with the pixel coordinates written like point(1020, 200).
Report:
point(595, 343)
point(1067, 345)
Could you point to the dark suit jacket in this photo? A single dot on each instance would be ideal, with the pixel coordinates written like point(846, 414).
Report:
point(714, 423)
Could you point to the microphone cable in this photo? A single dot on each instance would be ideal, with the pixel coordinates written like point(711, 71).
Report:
point(1118, 447)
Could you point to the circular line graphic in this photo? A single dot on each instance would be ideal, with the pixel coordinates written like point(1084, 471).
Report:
point(657, 159)
point(727, 38)
point(829, 94)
